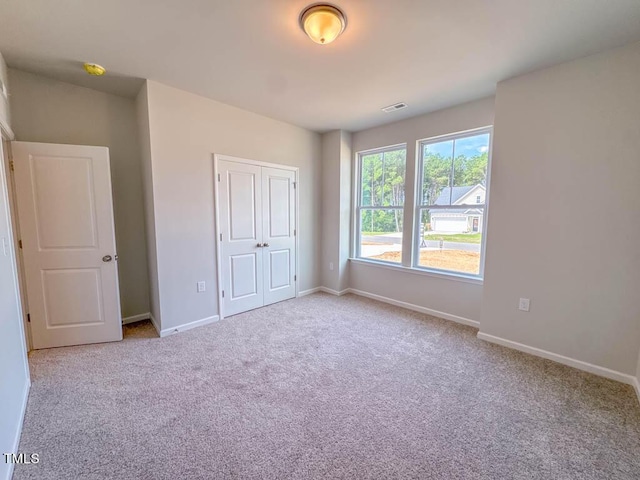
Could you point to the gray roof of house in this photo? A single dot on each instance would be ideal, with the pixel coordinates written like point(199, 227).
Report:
point(469, 210)
point(456, 194)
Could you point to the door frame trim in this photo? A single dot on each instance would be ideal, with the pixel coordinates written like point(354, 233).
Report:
point(13, 207)
point(5, 158)
point(216, 189)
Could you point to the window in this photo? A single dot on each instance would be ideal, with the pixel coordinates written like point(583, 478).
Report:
point(447, 213)
point(451, 207)
point(380, 204)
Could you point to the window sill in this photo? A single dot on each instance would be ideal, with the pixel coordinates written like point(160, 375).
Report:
point(456, 277)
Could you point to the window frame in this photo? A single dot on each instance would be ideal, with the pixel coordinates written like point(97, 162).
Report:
point(412, 207)
point(419, 206)
point(357, 221)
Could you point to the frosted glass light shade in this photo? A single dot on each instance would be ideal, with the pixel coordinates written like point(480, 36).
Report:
point(323, 23)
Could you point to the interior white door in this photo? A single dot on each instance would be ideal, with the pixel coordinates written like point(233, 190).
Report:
point(257, 234)
point(240, 196)
point(65, 213)
point(278, 238)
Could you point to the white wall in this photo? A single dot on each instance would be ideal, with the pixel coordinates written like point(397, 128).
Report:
point(5, 113)
point(14, 380)
point(346, 208)
point(453, 297)
point(336, 208)
point(142, 118)
point(565, 168)
point(185, 131)
point(45, 110)
point(638, 377)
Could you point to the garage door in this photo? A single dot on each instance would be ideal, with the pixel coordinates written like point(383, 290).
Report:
point(457, 225)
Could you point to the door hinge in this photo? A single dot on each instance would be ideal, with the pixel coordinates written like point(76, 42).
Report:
point(295, 278)
point(11, 165)
point(220, 237)
point(294, 184)
point(20, 244)
point(294, 232)
point(218, 177)
point(222, 293)
point(28, 318)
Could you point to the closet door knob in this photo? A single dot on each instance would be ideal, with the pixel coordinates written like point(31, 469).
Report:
point(259, 245)
point(265, 244)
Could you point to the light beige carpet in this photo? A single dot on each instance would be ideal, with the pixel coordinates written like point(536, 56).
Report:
point(322, 387)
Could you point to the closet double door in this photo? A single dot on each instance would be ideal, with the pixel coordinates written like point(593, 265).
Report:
point(256, 206)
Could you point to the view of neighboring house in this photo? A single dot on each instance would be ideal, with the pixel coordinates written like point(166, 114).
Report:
point(464, 219)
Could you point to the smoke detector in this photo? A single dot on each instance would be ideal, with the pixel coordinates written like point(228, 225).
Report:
point(394, 107)
point(94, 69)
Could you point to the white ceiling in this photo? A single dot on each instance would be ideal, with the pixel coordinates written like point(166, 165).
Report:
point(252, 54)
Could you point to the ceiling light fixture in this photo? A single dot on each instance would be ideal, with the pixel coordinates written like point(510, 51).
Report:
point(323, 23)
point(94, 69)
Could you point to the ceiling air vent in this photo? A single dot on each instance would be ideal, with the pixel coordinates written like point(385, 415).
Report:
point(393, 108)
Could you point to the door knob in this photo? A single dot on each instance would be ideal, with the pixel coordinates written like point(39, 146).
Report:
point(265, 244)
point(259, 245)
point(107, 258)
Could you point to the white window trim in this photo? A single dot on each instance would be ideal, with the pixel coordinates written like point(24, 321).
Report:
point(357, 207)
point(418, 206)
point(425, 272)
point(415, 239)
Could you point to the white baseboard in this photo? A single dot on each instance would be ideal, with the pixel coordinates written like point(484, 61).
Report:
point(16, 440)
point(155, 324)
point(397, 303)
point(571, 362)
point(417, 308)
point(323, 289)
point(580, 365)
point(136, 318)
point(188, 326)
point(335, 292)
point(304, 293)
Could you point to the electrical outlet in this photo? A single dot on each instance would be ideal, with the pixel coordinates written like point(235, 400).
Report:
point(330, 265)
point(524, 304)
point(201, 287)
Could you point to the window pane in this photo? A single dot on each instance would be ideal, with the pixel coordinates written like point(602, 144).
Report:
point(451, 240)
point(438, 160)
point(368, 177)
point(383, 178)
point(470, 170)
point(381, 234)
